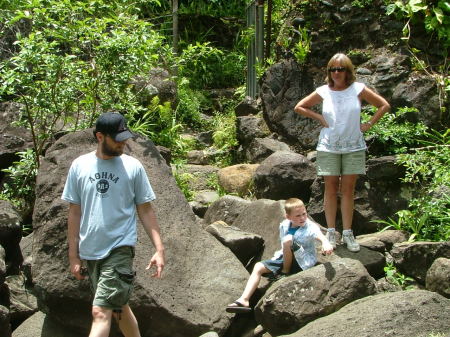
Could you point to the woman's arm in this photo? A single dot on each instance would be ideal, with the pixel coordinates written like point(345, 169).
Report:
point(303, 108)
point(377, 101)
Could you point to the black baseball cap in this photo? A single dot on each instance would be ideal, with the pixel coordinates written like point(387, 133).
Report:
point(114, 125)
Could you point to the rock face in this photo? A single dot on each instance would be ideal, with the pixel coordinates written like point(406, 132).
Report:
point(191, 253)
point(10, 235)
point(399, 314)
point(414, 259)
point(263, 217)
point(438, 277)
point(285, 175)
point(298, 299)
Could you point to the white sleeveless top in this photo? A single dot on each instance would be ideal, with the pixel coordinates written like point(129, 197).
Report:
point(341, 110)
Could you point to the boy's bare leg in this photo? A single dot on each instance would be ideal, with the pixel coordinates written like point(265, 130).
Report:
point(287, 256)
point(127, 322)
point(252, 283)
point(101, 323)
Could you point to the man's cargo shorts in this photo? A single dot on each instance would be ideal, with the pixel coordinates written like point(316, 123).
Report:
point(112, 278)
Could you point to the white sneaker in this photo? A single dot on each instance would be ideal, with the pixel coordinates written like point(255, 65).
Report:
point(350, 242)
point(331, 236)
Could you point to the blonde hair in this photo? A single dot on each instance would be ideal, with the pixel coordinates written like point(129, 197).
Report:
point(345, 62)
point(291, 204)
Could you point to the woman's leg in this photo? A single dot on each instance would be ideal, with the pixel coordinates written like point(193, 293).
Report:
point(348, 183)
point(330, 199)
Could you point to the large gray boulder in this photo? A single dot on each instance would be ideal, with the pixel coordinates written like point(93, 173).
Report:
point(195, 260)
point(23, 303)
point(263, 217)
point(226, 208)
point(399, 314)
point(246, 246)
point(438, 277)
point(285, 175)
point(301, 298)
point(283, 85)
point(414, 259)
point(261, 148)
point(40, 325)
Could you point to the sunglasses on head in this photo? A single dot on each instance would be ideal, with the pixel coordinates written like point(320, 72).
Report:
point(338, 69)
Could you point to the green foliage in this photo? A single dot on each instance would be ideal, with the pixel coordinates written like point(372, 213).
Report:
point(191, 103)
point(224, 135)
point(76, 62)
point(209, 67)
point(395, 277)
point(393, 131)
point(213, 182)
point(183, 179)
point(361, 3)
point(19, 188)
point(217, 8)
point(303, 46)
point(428, 214)
point(434, 15)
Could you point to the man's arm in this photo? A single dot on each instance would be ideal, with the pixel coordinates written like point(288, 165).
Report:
point(73, 237)
point(151, 226)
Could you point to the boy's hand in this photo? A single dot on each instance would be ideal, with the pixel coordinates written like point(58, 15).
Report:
point(327, 248)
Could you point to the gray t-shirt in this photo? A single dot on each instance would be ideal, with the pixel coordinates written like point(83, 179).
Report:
point(108, 192)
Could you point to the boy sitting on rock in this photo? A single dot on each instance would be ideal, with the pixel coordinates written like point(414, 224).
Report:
point(298, 252)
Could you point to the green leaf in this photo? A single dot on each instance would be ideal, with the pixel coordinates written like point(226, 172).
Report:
point(439, 14)
point(390, 9)
point(416, 5)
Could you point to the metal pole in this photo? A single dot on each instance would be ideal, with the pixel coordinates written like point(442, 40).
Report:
point(251, 57)
point(269, 28)
point(175, 25)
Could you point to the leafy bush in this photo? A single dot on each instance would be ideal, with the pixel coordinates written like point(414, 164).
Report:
point(435, 16)
point(394, 132)
point(76, 62)
point(428, 214)
point(224, 136)
point(303, 46)
point(21, 181)
point(209, 67)
point(395, 277)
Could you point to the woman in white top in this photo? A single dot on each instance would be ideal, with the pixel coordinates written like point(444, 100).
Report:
point(341, 146)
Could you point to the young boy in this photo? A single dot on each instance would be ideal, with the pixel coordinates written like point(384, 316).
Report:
point(298, 252)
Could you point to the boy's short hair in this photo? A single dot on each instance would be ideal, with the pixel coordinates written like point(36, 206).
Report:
point(292, 203)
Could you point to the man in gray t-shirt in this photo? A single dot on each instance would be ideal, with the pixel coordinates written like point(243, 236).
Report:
point(105, 188)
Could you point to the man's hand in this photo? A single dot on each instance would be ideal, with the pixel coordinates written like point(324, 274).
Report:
point(158, 261)
point(76, 269)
